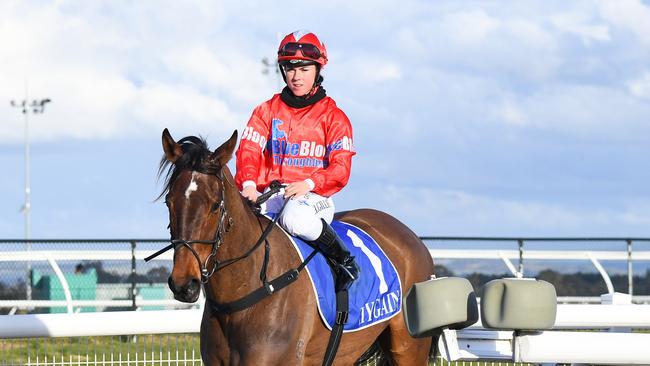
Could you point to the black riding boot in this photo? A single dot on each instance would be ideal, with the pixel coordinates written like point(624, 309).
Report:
point(346, 268)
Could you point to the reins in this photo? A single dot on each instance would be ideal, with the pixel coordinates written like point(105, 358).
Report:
point(268, 287)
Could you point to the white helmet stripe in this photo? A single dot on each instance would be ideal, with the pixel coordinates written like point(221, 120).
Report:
point(300, 33)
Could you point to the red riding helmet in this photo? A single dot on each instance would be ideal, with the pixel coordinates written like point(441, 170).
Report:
point(302, 45)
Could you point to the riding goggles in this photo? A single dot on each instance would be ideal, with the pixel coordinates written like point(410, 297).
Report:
point(307, 50)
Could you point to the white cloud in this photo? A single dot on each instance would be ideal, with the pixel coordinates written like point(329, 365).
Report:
point(181, 106)
point(381, 71)
point(109, 77)
point(602, 113)
point(84, 105)
point(578, 24)
point(632, 15)
point(640, 87)
point(488, 41)
point(367, 69)
point(469, 27)
point(232, 71)
point(530, 34)
point(510, 113)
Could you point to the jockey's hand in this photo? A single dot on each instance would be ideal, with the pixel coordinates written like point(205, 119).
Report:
point(296, 189)
point(250, 193)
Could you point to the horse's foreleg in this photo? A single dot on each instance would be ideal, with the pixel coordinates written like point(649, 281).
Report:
point(214, 345)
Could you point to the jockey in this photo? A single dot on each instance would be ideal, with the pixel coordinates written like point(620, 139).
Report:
point(302, 139)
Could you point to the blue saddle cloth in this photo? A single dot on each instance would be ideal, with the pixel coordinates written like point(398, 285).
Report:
point(375, 297)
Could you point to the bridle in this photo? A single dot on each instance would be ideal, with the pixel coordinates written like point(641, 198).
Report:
point(222, 228)
point(216, 242)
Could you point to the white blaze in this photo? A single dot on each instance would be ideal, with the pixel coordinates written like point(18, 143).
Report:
point(191, 188)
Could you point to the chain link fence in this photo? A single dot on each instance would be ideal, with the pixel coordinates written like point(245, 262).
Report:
point(100, 275)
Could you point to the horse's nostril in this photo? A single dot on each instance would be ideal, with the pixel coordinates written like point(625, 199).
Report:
point(189, 291)
point(195, 283)
point(193, 287)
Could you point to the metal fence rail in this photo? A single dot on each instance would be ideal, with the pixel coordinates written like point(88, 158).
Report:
point(29, 269)
point(123, 260)
point(522, 241)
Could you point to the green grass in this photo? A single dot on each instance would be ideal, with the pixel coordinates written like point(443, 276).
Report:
point(141, 350)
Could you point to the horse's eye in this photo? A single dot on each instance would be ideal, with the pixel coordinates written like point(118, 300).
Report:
point(215, 207)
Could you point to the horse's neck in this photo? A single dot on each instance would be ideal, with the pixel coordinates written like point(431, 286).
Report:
point(245, 223)
point(240, 278)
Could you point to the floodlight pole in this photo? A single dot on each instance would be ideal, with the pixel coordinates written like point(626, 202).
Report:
point(35, 107)
point(272, 67)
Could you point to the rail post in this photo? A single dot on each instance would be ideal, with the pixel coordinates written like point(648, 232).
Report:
point(520, 242)
point(133, 289)
point(630, 273)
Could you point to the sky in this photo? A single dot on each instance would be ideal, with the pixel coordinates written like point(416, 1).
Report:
point(471, 118)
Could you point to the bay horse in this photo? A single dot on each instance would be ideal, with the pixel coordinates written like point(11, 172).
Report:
point(211, 223)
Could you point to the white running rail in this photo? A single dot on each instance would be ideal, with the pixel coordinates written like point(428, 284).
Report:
point(474, 343)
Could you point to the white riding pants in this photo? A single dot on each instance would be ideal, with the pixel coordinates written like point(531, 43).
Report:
point(302, 215)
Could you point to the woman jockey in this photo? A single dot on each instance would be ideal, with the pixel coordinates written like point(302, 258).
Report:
point(302, 139)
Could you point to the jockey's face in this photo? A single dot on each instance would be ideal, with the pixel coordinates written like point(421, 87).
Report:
point(301, 79)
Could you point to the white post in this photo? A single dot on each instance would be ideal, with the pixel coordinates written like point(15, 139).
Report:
point(603, 273)
point(64, 282)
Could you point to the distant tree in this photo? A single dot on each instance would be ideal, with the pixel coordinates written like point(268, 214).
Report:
point(479, 279)
point(104, 276)
point(155, 275)
point(642, 284)
point(15, 292)
point(441, 271)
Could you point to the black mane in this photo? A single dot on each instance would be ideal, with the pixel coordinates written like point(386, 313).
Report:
point(195, 158)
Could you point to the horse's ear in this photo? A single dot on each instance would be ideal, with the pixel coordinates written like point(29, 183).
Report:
point(223, 153)
point(173, 151)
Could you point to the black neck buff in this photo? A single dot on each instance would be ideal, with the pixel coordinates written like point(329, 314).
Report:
point(304, 101)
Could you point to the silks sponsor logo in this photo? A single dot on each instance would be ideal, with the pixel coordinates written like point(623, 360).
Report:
point(250, 134)
point(276, 132)
point(281, 146)
point(303, 153)
point(382, 307)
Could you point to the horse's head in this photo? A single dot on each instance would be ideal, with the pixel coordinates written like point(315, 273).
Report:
point(194, 194)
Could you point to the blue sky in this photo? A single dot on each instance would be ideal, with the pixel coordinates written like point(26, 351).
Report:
point(470, 117)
